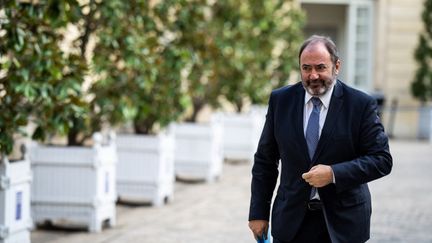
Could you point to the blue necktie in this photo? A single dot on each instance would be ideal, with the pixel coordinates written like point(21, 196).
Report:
point(312, 130)
point(312, 133)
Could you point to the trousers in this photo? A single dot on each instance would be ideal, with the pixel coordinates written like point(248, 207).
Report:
point(313, 229)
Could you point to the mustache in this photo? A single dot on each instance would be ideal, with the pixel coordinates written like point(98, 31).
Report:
point(314, 81)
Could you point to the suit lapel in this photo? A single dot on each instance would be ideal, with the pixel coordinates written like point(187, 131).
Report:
point(299, 110)
point(336, 103)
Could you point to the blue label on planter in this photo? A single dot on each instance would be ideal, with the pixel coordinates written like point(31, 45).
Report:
point(106, 182)
point(18, 208)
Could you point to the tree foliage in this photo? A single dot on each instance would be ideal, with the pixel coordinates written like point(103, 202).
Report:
point(150, 61)
point(240, 49)
point(421, 87)
point(138, 65)
point(196, 34)
point(261, 40)
point(38, 80)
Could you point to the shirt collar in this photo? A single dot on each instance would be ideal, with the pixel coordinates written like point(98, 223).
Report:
point(325, 99)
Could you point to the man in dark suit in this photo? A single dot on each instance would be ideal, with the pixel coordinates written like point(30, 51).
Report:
point(331, 143)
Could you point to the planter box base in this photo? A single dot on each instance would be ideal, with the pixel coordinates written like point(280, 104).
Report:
point(141, 193)
point(17, 237)
point(197, 172)
point(239, 155)
point(67, 216)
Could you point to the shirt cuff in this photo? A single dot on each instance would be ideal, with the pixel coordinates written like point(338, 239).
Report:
point(333, 176)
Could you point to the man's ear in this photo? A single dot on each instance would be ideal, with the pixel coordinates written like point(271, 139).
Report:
point(337, 66)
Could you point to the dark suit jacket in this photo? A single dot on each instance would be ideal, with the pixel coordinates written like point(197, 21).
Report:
point(352, 141)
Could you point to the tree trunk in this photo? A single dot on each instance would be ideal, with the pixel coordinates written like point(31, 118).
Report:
point(239, 105)
point(89, 27)
point(143, 127)
point(73, 134)
point(198, 104)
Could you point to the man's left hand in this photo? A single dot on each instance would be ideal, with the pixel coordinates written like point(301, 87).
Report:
point(319, 176)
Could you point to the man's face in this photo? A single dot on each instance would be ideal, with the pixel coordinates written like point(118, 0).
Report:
point(317, 70)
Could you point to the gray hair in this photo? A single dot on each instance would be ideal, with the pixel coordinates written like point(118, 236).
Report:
point(328, 43)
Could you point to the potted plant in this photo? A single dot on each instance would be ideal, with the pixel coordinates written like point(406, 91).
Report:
point(260, 47)
point(139, 69)
point(20, 92)
point(421, 87)
point(15, 173)
point(50, 81)
point(199, 150)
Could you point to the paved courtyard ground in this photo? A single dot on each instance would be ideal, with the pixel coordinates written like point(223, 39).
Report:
point(217, 212)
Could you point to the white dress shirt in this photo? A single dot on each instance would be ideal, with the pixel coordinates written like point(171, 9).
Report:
point(308, 107)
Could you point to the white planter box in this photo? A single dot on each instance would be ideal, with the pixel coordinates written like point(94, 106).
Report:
point(15, 220)
point(260, 110)
point(241, 134)
point(74, 186)
point(425, 123)
point(199, 150)
point(145, 172)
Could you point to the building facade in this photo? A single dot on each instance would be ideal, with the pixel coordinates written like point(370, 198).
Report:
point(376, 40)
